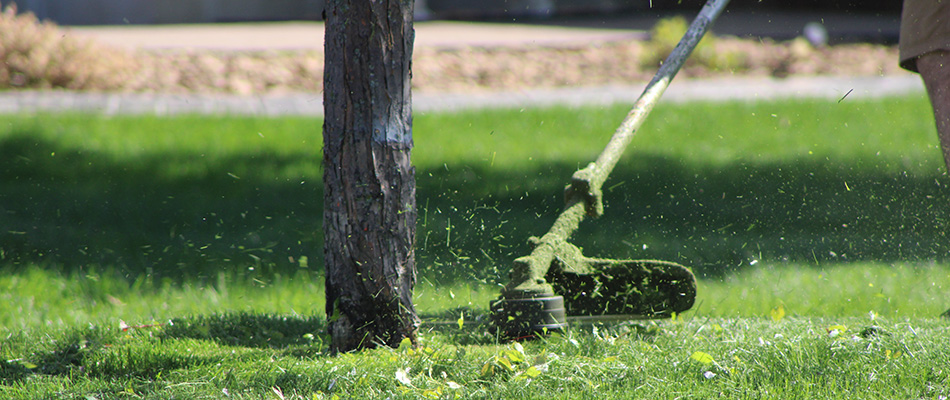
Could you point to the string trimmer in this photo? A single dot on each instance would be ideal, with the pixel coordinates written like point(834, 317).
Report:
point(556, 280)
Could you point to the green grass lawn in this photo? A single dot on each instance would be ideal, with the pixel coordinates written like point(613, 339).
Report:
point(817, 228)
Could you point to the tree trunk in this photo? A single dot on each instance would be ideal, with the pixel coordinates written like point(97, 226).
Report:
point(369, 182)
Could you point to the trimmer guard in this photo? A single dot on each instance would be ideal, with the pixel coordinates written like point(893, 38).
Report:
point(643, 288)
point(584, 286)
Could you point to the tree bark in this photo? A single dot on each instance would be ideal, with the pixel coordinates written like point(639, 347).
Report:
point(369, 182)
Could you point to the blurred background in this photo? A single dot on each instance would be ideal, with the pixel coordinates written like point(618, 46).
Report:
point(108, 12)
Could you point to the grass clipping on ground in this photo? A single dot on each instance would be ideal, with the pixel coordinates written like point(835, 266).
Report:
point(39, 55)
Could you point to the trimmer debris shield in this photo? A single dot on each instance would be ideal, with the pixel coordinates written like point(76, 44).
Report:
point(645, 288)
point(584, 286)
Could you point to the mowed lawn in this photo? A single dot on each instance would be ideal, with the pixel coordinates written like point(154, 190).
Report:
point(181, 257)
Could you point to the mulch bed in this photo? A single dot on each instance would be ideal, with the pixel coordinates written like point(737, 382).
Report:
point(504, 68)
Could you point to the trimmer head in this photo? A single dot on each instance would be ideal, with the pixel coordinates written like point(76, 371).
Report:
point(520, 318)
point(583, 286)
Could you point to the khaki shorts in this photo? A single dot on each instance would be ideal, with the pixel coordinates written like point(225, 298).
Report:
point(925, 27)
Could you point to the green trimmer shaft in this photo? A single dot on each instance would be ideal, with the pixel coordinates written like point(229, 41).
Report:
point(556, 279)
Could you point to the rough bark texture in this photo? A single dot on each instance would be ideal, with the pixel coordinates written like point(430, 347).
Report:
point(369, 201)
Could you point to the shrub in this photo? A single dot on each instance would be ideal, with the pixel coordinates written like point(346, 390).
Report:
point(39, 55)
point(666, 34)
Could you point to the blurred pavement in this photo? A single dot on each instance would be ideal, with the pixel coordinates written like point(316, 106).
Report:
point(744, 89)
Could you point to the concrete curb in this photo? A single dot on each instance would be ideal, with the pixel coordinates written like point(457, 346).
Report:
point(311, 104)
point(725, 89)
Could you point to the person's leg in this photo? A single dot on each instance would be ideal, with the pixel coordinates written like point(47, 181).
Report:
point(934, 68)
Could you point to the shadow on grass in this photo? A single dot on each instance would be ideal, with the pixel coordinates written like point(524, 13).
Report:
point(68, 209)
point(12, 372)
point(718, 219)
point(71, 209)
point(305, 337)
point(112, 352)
point(252, 330)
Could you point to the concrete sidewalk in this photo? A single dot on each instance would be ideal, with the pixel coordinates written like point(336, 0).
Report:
point(311, 104)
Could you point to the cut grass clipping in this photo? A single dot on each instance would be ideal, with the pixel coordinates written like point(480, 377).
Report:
point(180, 257)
